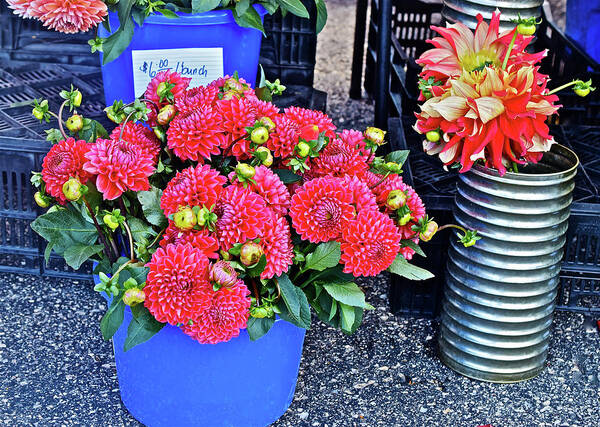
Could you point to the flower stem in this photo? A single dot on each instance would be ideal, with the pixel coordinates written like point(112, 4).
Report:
point(59, 117)
point(558, 89)
point(123, 125)
point(458, 227)
point(156, 238)
point(107, 248)
point(381, 180)
point(510, 46)
point(255, 288)
point(130, 237)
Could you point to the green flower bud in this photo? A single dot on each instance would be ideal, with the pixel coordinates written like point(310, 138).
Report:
point(72, 189)
point(268, 123)
point(303, 149)
point(250, 253)
point(166, 114)
point(41, 200)
point(75, 123)
point(134, 296)
point(396, 199)
point(429, 231)
point(160, 133)
point(76, 99)
point(184, 218)
point(244, 170)
point(259, 135)
point(433, 136)
point(38, 113)
point(110, 221)
point(268, 161)
point(375, 134)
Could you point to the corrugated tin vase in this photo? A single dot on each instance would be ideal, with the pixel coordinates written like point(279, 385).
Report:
point(466, 11)
point(500, 294)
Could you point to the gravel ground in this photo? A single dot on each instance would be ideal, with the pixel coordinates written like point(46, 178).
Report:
point(55, 369)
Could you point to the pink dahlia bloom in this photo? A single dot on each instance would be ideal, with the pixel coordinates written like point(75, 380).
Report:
point(265, 109)
point(363, 197)
point(201, 96)
point(196, 134)
point(68, 16)
point(370, 243)
point(283, 141)
point(272, 189)
point(200, 239)
point(177, 283)
point(20, 7)
point(225, 312)
point(277, 246)
point(140, 135)
point(320, 208)
point(120, 167)
point(195, 186)
point(63, 161)
point(235, 115)
point(167, 76)
point(242, 215)
point(338, 158)
point(304, 117)
point(356, 140)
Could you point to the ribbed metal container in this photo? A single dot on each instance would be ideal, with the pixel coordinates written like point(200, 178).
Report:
point(500, 294)
point(466, 11)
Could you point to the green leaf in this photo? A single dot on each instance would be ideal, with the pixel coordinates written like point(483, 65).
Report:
point(401, 267)
point(295, 308)
point(287, 176)
point(259, 327)
point(398, 156)
point(321, 15)
point(92, 131)
point(112, 319)
point(326, 255)
point(140, 230)
point(333, 310)
point(141, 329)
point(347, 315)
point(410, 244)
point(296, 7)
point(347, 293)
point(259, 267)
point(242, 6)
point(117, 42)
point(199, 6)
point(66, 228)
point(168, 13)
point(250, 19)
point(77, 254)
point(150, 201)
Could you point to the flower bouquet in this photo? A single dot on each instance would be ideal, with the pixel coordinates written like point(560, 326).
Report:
point(213, 216)
point(485, 109)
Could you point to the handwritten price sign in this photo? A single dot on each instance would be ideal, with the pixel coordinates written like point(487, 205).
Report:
point(202, 65)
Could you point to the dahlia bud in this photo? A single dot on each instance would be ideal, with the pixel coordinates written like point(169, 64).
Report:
point(225, 255)
point(268, 161)
point(259, 135)
point(303, 149)
point(244, 170)
point(429, 231)
point(309, 133)
point(75, 123)
point(41, 200)
point(134, 296)
point(38, 113)
point(159, 133)
point(375, 134)
point(76, 98)
point(206, 218)
point(262, 311)
point(72, 189)
point(184, 218)
point(234, 85)
point(404, 219)
point(110, 221)
point(393, 167)
point(250, 253)
point(396, 199)
point(268, 123)
point(223, 274)
point(433, 136)
point(166, 114)
point(163, 89)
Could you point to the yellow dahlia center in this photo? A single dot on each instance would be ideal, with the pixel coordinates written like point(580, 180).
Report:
point(478, 61)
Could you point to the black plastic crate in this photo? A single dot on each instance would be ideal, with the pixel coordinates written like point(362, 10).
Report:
point(580, 275)
point(410, 30)
point(288, 51)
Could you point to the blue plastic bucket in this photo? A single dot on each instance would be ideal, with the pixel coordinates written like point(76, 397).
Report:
point(205, 33)
point(172, 380)
point(583, 26)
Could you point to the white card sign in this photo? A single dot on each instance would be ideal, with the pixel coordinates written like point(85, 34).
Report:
point(202, 65)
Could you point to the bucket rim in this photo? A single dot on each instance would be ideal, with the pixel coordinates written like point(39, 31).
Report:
point(220, 16)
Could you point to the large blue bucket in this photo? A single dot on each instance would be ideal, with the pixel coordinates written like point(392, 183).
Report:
point(206, 45)
point(172, 380)
point(582, 25)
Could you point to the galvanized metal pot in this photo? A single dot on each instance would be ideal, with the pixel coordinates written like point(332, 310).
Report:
point(500, 294)
point(466, 11)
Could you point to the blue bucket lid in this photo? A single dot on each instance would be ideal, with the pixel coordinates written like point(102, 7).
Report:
point(223, 16)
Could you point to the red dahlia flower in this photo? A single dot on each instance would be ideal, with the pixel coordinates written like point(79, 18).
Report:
point(68, 16)
point(138, 134)
point(235, 115)
point(63, 161)
point(370, 243)
point(277, 246)
point(120, 167)
point(304, 117)
point(200, 239)
point(283, 141)
point(177, 283)
point(195, 186)
point(196, 134)
point(271, 189)
point(242, 215)
point(167, 76)
point(363, 197)
point(320, 208)
point(201, 96)
point(224, 313)
point(338, 158)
